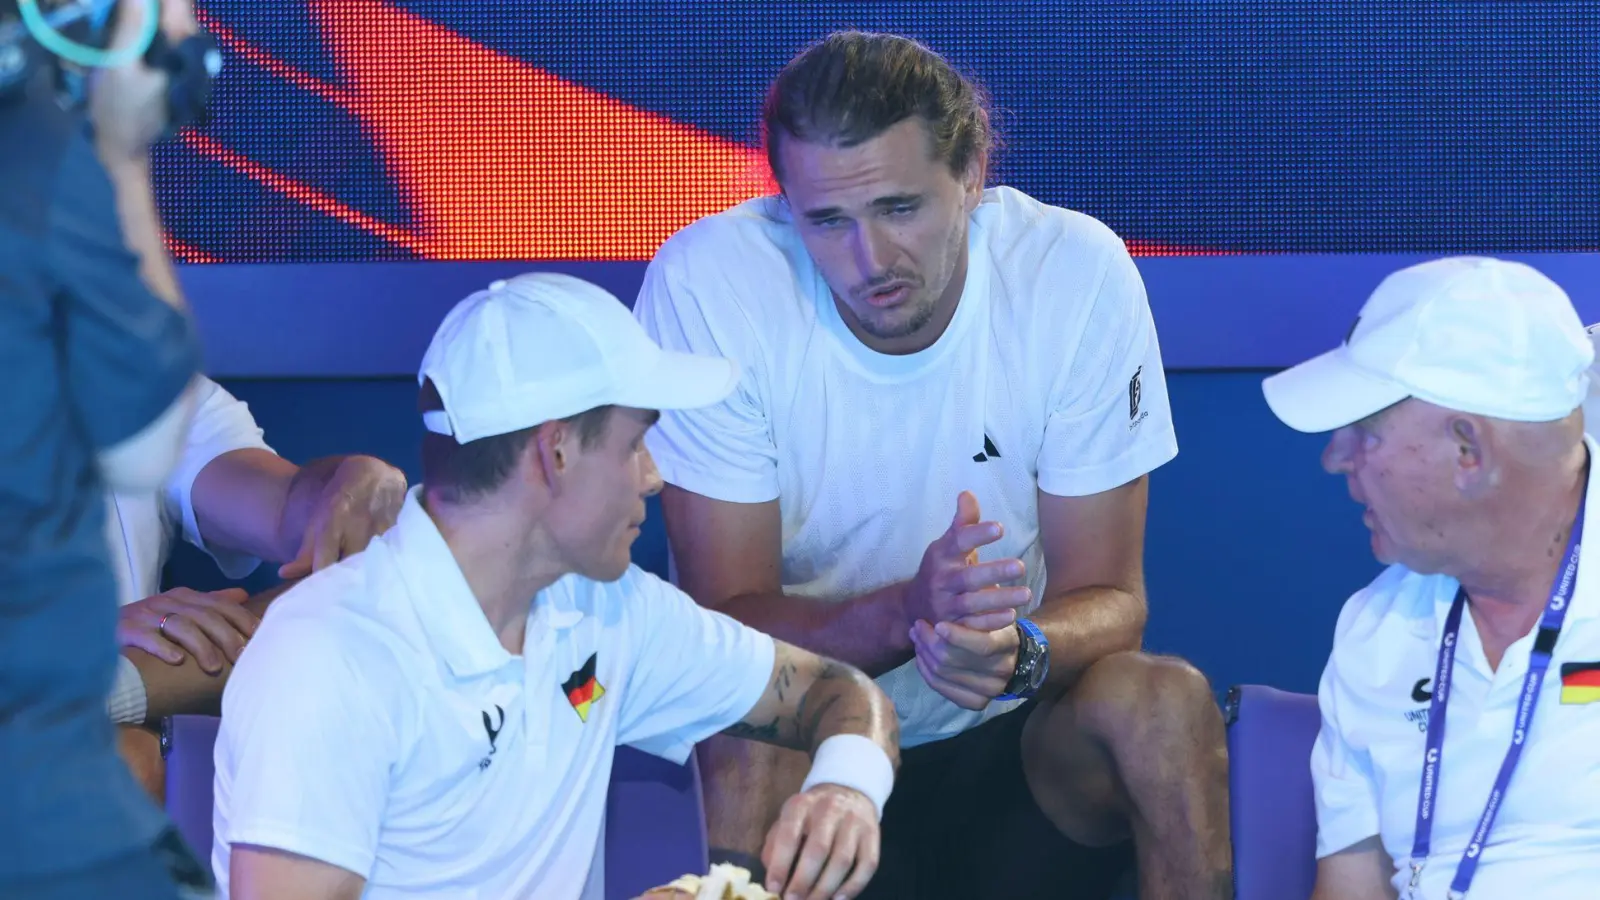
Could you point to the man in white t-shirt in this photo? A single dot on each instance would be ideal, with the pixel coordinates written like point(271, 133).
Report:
point(437, 716)
point(915, 346)
point(1454, 406)
point(241, 503)
point(234, 498)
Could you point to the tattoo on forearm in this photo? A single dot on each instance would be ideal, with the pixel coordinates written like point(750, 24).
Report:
point(767, 733)
point(831, 702)
point(781, 681)
point(817, 706)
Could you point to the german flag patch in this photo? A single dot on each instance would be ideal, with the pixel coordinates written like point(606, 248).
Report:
point(584, 691)
point(1580, 683)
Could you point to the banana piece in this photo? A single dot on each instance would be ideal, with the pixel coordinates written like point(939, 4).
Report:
point(723, 882)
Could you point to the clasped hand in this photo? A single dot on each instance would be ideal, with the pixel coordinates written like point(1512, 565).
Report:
point(962, 611)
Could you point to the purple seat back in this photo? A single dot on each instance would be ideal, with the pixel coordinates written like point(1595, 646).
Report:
point(1273, 813)
point(186, 742)
point(655, 821)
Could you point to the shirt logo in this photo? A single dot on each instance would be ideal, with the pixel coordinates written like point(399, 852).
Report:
point(583, 690)
point(1420, 692)
point(493, 730)
point(990, 451)
point(1580, 683)
point(1135, 397)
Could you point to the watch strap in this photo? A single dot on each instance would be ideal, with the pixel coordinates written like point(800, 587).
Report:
point(1033, 654)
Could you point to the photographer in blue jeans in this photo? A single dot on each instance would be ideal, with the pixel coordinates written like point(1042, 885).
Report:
point(100, 357)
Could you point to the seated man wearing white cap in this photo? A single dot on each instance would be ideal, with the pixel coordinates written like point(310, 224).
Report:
point(436, 716)
point(1461, 705)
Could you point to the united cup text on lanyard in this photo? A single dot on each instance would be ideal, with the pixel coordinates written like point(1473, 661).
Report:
point(1544, 644)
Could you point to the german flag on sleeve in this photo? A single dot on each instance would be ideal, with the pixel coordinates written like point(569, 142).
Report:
point(583, 690)
point(1580, 682)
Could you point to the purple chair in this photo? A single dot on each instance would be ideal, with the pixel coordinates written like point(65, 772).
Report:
point(1274, 816)
point(655, 821)
point(186, 743)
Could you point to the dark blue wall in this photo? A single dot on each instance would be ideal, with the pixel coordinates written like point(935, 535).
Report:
point(1252, 548)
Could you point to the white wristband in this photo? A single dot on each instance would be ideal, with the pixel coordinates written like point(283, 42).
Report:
point(853, 761)
point(128, 701)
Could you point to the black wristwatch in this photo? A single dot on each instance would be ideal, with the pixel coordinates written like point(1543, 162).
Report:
point(1033, 663)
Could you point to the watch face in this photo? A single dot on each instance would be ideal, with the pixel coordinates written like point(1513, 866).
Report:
point(1036, 672)
point(1038, 662)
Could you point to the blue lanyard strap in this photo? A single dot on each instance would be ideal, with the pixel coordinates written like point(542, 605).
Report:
point(1544, 644)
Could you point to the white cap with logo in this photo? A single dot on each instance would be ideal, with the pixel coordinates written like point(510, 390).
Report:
point(545, 346)
point(1471, 334)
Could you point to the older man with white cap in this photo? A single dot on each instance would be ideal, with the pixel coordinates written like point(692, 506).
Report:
point(1455, 410)
point(436, 716)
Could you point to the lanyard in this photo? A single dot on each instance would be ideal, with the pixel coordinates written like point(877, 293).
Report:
point(1555, 614)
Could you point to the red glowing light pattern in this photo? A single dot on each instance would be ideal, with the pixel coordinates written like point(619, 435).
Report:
point(497, 159)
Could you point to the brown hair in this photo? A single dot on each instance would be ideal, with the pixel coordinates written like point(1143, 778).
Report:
point(457, 473)
point(852, 86)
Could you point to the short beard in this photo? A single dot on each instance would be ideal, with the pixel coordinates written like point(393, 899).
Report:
point(894, 330)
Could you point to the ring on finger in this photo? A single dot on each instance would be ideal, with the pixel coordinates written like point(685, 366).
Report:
point(162, 625)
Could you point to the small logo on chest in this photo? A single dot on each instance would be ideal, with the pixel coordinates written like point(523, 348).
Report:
point(1580, 683)
point(493, 728)
point(583, 690)
point(990, 451)
point(1420, 694)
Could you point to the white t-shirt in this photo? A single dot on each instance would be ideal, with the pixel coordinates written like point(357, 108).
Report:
point(1367, 762)
point(142, 527)
point(377, 724)
point(1048, 377)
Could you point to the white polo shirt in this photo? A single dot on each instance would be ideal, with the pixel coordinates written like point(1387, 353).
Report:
point(1368, 759)
point(142, 527)
point(1048, 378)
point(377, 724)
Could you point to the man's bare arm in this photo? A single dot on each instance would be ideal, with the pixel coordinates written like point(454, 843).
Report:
point(1359, 872)
point(811, 699)
point(263, 873)
point(728, 557)
point(1094, 602)
point(257, 502)
point(185, 688)
point(141, 225)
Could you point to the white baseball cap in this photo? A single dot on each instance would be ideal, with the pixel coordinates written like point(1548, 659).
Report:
point(545, 346)
point(1472, 334)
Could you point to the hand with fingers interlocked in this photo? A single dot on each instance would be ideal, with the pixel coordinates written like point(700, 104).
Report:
point(962, 611)
point(211, 626)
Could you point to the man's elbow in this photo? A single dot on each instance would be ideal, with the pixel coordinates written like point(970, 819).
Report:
point(1138, 615)
point(1120, 618)
point(880, 723)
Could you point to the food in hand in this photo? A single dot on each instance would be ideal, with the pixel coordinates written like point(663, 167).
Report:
point(723, 882)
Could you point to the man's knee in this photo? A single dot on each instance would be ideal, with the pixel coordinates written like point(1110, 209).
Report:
point(751, 764)
point(1132, 698)
point(746, 783)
